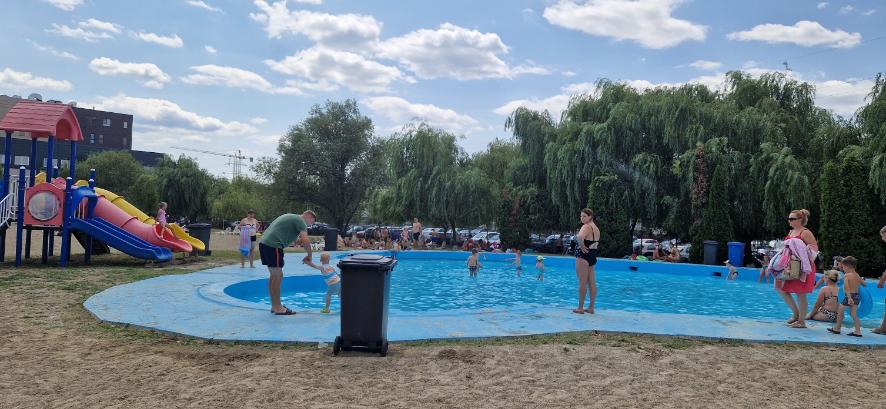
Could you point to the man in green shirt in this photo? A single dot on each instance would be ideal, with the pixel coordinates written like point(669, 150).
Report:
point(282, 232)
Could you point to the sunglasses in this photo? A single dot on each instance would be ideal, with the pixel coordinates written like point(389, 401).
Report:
point(790, 219)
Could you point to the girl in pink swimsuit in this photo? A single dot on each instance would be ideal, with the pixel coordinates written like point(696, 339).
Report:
point(797, 219)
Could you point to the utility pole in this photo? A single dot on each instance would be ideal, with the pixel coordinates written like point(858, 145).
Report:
point(234, 160)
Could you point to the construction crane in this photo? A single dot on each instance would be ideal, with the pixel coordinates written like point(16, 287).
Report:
point(234, 160)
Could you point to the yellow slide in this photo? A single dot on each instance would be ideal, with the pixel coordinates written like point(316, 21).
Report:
point(133, 211)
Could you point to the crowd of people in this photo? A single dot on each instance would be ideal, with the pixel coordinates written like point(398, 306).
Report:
point(792, 270)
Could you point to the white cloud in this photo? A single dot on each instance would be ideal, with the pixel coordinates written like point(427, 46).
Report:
point(568, 73)
point(529, 15)
point(258, 120)
point(173, 41)
point(869, 12)
point(149, 75)
point(210, 49)
point(454, 52)
point(328, 69)
point(53, 51)
point(804, 33)
point(846, 9)
point(215, 75)
point(169, 115)
point(100, 25)
point(345, 31)
point(843, 97)
point(646, 22)
point(822, 5)
point(202, 4)
point(705, 65)
point(401, 111)
point(66, 5)
point(25, 81)
point(72, 32)
point(554, 105)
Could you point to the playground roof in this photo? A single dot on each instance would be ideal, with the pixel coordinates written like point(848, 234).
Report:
point(42, 119)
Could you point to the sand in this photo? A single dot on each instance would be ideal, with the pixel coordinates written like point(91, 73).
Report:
point(54, 354)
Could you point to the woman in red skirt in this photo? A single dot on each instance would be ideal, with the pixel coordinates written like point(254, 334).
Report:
point(797, 219)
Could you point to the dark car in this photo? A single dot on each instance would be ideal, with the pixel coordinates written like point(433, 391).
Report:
point(550, 244)
point(317, 229)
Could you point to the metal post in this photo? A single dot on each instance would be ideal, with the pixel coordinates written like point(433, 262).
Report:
point(69, 208)
point(20, 220)
point(73, 158)
point(89, 214)
point(50, 157)
point(54, 172)
point(92, 176)
point(6, 163)
point(34, 164)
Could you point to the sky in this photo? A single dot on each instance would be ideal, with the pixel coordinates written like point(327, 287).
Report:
point(228, 75)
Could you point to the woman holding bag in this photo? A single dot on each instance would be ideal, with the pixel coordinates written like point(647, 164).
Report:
point(797, 220)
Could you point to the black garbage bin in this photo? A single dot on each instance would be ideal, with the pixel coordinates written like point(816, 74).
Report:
point(201, 231)
point(711, 249)
point(330, 238)
point(365, 285)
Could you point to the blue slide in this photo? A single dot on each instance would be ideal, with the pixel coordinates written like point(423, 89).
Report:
point(120, 239)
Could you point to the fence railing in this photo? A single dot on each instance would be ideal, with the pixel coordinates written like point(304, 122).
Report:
point(8, 209)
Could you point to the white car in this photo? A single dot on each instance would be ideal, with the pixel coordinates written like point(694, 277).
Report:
point(483, 235)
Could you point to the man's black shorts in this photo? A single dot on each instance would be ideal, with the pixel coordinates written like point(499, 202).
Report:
point(270, 256)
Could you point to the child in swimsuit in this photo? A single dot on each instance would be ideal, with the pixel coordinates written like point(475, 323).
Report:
point(733, 272)
point(474, 263)
point(540, 267)
point(333, 281)
point(825, 308)
point(851, 282)
point(517, 261)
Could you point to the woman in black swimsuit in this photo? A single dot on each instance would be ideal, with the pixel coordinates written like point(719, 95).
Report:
point(585, 259)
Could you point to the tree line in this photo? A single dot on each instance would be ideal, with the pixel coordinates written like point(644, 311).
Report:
point(695, 163)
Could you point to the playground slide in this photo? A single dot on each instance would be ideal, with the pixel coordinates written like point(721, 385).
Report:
point(133, 211)
point(151, 233)
point(120, 239)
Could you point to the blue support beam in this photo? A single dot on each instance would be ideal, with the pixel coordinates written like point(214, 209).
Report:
point(69, 209)
point(21, 217)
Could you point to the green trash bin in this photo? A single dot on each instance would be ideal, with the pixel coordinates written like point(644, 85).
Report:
point(365, 286)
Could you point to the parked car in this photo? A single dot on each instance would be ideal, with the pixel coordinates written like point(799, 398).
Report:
point(550, 244)
point(483, 235)
point(317, 229)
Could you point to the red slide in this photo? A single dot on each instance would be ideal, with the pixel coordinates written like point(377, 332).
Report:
point(151, 233)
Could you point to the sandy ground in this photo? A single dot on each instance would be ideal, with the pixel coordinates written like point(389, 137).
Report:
point(54, 354)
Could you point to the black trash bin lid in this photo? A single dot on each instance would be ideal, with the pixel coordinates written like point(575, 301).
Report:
point(365, 260)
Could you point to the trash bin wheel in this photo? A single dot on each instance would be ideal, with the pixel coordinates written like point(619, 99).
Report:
point(384, 349)
point(336, 346)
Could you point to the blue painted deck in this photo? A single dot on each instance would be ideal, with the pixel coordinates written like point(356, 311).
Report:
point(196, 305)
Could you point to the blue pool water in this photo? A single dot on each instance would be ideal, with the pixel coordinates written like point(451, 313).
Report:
point(436, 282)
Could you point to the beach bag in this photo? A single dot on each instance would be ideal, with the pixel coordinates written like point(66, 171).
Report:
point(245, 240)
point(793, 271)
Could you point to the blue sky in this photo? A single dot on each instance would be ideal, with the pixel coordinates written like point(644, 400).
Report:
point(235, 74)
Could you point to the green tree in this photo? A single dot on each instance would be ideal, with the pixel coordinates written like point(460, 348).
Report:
point(145, 196)
point(716, 223)
point(328, 161)
point(184, 185)
point(116, 171)
point(606, 197)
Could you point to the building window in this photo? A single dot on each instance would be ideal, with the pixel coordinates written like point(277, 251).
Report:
point(106, 122)
point(124, 141)
point(101, 139)
point(125, 124)
point(64, 164)
point(22, 160)
point(92, 138)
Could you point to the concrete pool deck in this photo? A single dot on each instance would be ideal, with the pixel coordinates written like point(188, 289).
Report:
point(196, 305)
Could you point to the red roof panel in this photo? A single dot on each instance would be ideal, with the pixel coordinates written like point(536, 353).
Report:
point(42, 119)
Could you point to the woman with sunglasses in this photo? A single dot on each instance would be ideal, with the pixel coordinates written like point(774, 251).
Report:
point(797, 220)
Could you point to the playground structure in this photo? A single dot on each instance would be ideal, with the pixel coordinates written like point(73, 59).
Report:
point(95, 217)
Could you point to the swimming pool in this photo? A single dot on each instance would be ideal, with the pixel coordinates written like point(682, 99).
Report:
point(432, 297)
point(438, 282)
